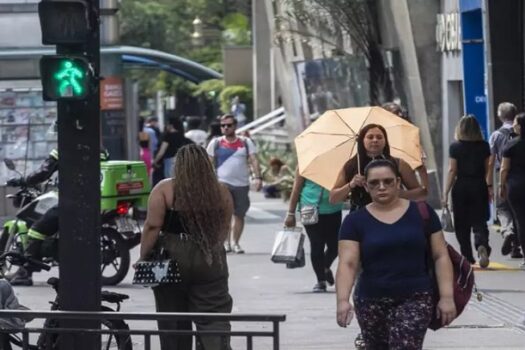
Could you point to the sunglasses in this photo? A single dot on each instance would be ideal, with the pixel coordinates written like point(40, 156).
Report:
point(226, 125)
point(374, 184)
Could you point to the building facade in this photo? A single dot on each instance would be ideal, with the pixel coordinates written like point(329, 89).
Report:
point(482, 54)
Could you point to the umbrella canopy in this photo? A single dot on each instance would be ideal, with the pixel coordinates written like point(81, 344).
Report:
point(327, 144)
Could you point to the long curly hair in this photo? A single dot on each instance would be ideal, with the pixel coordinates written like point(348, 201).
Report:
point(199, 200)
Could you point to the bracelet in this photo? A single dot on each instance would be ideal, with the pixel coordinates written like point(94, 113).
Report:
point(291, 213)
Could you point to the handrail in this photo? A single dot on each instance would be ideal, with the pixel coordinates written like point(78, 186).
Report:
point(273, 114)
point(268, 124)
point(155, 316)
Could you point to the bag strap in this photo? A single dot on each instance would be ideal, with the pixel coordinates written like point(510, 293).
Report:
point(320, 197)
point(425, 215)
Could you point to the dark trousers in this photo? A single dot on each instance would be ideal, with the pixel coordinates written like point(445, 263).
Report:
point(394, 323)
point(204, 288)
point(516, 199)
point(471, 211)
point(323, 242)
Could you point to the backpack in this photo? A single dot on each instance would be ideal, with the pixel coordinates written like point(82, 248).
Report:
point(464, 282)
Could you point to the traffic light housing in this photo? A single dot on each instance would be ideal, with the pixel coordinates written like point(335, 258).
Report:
point(64, 22)
point(65, 77)
point(69, 24)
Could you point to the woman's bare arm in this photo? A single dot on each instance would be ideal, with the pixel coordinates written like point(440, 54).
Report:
point(154, 219)
point(341, 189)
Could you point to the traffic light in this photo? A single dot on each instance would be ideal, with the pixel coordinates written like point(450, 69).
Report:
point(65, 77)
point(70, 25)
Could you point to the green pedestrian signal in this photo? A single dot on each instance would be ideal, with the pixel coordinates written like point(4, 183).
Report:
point(64, 77)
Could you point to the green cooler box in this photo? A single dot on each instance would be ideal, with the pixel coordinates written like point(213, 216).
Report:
point(124, 180)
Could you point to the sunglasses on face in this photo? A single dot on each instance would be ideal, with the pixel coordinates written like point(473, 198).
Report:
point(226, 125)
point(388, 182)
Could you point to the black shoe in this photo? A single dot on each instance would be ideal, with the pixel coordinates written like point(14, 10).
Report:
point(319, 287)
point(21, 278)
point(329, 277)
point(516, 253)
point(506, 247)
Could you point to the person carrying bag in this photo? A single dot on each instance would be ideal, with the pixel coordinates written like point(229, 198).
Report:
point(321, 221)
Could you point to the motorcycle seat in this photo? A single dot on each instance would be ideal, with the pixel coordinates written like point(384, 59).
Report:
point(112, 297)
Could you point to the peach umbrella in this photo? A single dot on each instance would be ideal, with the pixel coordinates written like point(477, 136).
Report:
point(324, 147)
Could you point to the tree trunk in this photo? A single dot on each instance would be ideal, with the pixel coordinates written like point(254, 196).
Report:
point(380, 85)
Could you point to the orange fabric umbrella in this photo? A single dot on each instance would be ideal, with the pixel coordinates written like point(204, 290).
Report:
point(325, 146)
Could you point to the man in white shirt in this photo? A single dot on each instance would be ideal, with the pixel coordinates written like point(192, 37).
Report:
point(232, 157)
point(195, 134)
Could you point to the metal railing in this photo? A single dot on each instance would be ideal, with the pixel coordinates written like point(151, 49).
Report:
point(264, 122)
point(147, 334)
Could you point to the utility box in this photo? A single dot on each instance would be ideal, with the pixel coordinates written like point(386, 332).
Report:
point(124, 180)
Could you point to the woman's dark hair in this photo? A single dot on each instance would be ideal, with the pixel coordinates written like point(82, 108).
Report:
point(520, 120)
point(193, 122)
point(176, 123)
point(351, 165)
point(214, 130)
point(141, 124)
point(199, 200)
point(381, 163)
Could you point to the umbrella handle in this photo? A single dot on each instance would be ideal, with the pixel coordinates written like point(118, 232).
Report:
point(358, 164)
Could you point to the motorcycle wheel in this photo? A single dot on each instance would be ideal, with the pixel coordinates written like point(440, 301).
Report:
point(115, 257)
point(7, 244)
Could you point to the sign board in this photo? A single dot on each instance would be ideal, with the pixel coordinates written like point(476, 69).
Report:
point(111, 93)
point(448, 32)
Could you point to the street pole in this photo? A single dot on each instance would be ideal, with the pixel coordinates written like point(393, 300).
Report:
point(79, 201)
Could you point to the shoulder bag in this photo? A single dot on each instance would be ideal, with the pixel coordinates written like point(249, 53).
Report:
point(310, 213)
point(463, 282)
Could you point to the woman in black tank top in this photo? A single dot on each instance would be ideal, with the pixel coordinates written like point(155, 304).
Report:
point(372, 143)
point(189, 216)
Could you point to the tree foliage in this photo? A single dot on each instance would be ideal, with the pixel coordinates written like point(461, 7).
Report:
point(328, 20)
point(166, 25)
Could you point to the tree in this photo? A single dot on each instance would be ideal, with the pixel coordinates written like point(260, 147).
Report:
point(328, 20)
point(166, 25)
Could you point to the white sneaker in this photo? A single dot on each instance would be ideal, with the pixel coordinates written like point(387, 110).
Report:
point(227, 247)
point(237, 249)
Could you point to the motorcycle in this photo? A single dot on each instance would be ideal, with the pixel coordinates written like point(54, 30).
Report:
point(120, 229)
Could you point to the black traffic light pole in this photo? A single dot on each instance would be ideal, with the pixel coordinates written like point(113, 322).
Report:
point(79, 201)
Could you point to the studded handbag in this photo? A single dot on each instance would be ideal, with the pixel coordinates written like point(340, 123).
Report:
point(159, 271)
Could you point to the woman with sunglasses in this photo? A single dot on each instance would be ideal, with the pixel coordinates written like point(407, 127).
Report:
point(372, 143)
point(387, 239)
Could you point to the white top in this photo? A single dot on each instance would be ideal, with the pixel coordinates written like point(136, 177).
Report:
point(197, 136)
point(231, 160)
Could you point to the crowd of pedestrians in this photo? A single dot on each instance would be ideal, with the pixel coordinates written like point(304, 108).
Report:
point(384, 245)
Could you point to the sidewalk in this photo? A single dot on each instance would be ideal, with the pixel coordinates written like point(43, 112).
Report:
point(260, 286)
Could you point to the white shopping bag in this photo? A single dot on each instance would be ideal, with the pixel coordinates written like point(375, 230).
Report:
point(288, 245)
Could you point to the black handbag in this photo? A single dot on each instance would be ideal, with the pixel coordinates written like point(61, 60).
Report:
point(158, 271)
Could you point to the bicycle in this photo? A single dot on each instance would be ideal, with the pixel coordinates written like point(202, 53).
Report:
point(50, 340)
